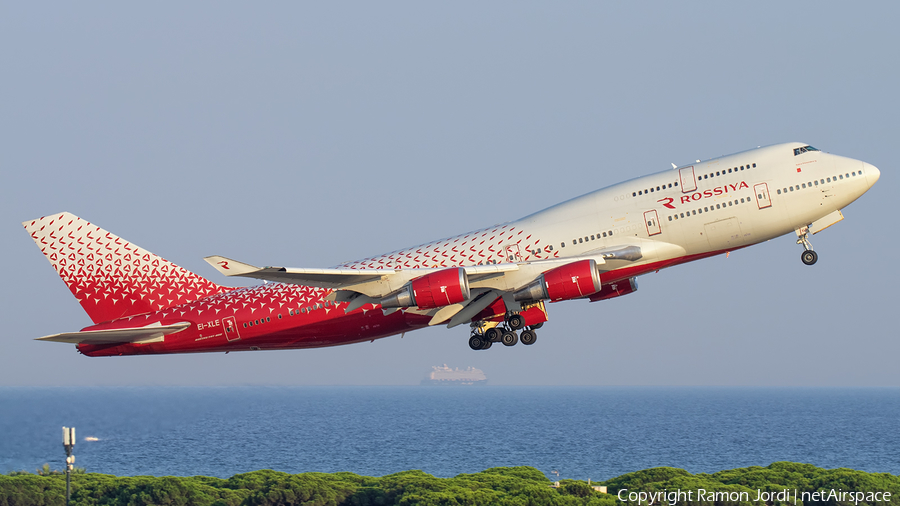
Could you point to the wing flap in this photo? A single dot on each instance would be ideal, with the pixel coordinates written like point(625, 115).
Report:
point(147, 334)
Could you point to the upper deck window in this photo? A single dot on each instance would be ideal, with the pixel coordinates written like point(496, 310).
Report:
point(804, 149)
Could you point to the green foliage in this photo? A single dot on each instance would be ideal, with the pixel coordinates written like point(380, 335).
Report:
point(309, 489)
point(576, 488)
point(773, 478)
point(521, 472)
point(501, 486)
point(640, 479)
point(32, 490)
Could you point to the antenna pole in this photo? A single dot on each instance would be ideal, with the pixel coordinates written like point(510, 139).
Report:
point(69, 445)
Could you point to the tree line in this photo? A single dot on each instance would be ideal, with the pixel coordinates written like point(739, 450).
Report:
point(519, 486)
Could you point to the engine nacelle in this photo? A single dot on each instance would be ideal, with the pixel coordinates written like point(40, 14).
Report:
point(441, 288)
point(570, 281)
point(616, 289)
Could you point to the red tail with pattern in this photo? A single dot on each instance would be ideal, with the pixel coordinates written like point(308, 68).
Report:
point(109, 276)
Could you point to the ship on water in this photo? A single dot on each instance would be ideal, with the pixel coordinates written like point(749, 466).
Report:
point(444, 375)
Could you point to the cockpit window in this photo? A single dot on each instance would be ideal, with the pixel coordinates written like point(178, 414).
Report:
point(804, 149)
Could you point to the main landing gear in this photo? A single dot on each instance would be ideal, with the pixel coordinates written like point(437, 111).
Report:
point(808, 256)
point(484, 336)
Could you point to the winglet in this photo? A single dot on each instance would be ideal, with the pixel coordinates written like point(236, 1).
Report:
point(230, 267)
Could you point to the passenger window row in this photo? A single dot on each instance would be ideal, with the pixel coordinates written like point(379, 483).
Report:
point(258, 322)
point(707, 209)
point(723, 172)
point(307, 309)
point(729, 171)
point(586, 238)
point(814, 183)
point(291, 312)
point(651, 190)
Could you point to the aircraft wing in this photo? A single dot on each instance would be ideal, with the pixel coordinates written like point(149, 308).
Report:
point(370, 286)
point(321, 278)
point(376, 283)
point(148, 334)
point(371, 282)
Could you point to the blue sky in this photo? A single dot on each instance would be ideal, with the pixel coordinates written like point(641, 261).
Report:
point(305, 135)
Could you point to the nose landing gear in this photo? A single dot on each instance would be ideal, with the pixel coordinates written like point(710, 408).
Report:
point(808, 256)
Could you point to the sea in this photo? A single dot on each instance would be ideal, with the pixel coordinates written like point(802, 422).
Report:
point(568, 432)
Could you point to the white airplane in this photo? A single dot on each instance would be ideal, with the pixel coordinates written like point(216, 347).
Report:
point(495, 279)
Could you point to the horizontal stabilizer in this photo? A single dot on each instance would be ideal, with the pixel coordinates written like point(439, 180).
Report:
point(146, 334)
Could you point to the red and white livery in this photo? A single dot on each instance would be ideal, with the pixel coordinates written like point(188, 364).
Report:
point(496, 280)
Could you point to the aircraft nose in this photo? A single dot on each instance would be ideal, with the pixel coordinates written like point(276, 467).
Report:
point(872, 173)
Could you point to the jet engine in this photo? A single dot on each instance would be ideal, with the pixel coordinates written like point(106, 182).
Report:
point(616, 289)
point(437, 289)
point(570, 281)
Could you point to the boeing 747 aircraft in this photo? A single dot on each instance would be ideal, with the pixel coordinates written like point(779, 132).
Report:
point(496, 280)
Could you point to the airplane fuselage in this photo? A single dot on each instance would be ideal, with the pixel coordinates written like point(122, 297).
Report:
point(670, 217)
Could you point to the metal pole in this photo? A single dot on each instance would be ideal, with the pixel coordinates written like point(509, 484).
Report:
point(69, 445)
point(68, 474)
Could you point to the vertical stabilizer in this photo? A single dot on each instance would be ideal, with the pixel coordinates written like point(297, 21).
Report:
point(109, 276)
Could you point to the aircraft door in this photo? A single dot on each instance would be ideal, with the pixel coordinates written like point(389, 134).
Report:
point(762, 195)
point(688, 181)
point(652, 222)
point(231, 329)
point(513, 254)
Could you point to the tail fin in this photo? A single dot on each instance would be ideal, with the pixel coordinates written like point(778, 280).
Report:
point(111, 277)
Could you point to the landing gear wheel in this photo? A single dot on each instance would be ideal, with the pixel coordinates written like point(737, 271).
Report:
point(492, 334)
point(809, 257)
point(476, 342)
point(537, 326)
point(515, 322)
point(509, 338)
point(528, 337)
point(487, 345)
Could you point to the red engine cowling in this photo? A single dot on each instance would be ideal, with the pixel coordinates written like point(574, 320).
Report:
point(437, 289)
point(570, 281)
point(616, 289)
